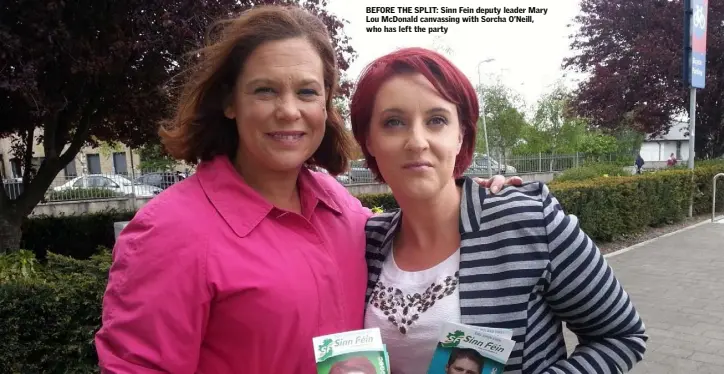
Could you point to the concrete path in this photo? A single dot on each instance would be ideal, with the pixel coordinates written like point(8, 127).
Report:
point(677, 284)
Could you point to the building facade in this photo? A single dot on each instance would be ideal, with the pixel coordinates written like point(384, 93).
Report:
point(658, 149)
point(106, 159)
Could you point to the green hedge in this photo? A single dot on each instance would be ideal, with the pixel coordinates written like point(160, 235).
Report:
point(383, 200)
point(609, 207)
point(83, 194)
point(75, 235)
point(703, 178)
point(50, 312)
point(49, 317)
point(613, 207)
point(592, 172)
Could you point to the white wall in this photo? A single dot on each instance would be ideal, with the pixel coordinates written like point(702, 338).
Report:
point(660, 150)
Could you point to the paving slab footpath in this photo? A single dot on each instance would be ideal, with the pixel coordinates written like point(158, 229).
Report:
point(677, 284)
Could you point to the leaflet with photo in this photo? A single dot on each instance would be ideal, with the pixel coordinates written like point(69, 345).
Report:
point(471, 349)
point(359, 351)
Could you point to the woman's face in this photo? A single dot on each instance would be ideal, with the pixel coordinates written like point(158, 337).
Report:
point(464, 365)
point(278, 104)
point(414, 136)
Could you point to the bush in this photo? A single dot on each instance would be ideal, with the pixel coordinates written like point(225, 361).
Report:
point(48, 322)
point(703, 181)
point(18, 265)
point(50, 312)
point(609, 208)
point(77, 236)
point(583, 189)
point(82, 194)
point(383, 200)
point(618, 206)
point(592, 171)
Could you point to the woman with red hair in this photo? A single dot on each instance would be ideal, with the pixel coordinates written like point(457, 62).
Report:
point(454, 252)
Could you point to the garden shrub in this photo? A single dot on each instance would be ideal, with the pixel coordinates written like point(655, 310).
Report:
point(77, 236)
point(612, 207)
point(51, 310)
point(48, 321)
point(640, 200)
point(82, 194)
point(382, 200)
point(592, 171)
point(703, 181)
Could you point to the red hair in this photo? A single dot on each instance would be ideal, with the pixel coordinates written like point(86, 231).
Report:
point(353, 364)
point(447, 79)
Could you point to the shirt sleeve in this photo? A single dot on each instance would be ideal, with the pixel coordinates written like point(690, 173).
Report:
point(367, 212)
point(584, 292)
point(156, 302)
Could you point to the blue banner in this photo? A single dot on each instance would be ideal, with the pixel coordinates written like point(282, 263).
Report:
point(697, 64)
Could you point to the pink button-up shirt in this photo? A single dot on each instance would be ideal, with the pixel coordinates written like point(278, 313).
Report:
point(209, 277)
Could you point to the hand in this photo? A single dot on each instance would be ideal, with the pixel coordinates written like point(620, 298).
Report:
point(498, 181)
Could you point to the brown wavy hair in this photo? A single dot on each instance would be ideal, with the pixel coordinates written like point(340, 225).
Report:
point(198, 129)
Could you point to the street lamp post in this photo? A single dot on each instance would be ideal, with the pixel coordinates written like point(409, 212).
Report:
point(482, 108)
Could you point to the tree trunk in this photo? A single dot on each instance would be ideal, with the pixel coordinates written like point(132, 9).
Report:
point(10, 233)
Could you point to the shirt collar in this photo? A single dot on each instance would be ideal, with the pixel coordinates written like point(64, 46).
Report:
point(242, 207)
point(311, 184)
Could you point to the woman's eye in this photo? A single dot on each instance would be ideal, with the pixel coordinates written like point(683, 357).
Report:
point(308, 92)
point(264, 90)
point(438, 121)
point(393, 123)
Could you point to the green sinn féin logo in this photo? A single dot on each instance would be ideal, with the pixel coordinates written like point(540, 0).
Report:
point(325, 349)
point(453, 339)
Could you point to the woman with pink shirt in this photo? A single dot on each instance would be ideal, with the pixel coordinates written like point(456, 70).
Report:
point(236, 268)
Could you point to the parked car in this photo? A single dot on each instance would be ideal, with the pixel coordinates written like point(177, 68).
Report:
point(116, 183)
point(479, 166)
point(359, 173)
point(162, 180)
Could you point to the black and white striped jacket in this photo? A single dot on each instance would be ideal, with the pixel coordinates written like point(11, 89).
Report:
point(527, 266)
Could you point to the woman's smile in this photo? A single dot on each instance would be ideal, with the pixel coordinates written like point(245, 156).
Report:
point(286, 138)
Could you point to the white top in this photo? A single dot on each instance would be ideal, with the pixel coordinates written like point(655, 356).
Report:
point(410, 307)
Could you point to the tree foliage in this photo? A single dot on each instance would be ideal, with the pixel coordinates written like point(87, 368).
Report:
point(505, 121)
point(90, 70)
point(632, 52)
point(555, 129)
point(154, 158)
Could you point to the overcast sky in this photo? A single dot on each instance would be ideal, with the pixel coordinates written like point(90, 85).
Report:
point(528, 56)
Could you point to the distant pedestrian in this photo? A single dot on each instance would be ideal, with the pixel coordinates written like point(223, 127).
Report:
point(672, 160)
point(639, 163)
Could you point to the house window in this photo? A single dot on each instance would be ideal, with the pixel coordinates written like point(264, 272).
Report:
point(678, 150)
point(70, 171)
point(94, 163)
point(119, 163)
point(15, 168)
